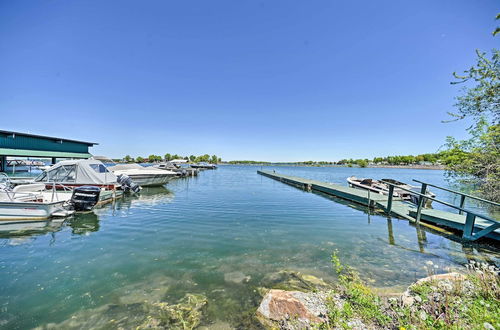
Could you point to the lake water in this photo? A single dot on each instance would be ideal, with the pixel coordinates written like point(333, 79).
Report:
point(218, 234)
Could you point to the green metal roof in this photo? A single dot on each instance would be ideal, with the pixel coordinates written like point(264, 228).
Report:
point(13, 133)
point(43, 154)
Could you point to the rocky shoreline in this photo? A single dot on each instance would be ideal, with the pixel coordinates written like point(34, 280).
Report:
point(291, 300)
point(468, 300)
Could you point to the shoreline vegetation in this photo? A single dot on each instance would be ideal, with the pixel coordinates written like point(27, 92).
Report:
point(416, 166)
point(467, 298)
point(422, 161)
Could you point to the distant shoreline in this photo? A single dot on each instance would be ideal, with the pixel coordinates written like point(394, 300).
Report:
point(417, 167)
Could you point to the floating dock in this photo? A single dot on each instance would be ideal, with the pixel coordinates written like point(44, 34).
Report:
point(472, 225)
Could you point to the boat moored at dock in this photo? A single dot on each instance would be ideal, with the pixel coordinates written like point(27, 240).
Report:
point(401, 189)
point(143, 176)
point(205, 166)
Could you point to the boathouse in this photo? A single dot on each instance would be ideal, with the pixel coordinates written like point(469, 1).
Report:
point(17, 144)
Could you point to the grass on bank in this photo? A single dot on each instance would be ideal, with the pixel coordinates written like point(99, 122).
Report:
point(470, 302)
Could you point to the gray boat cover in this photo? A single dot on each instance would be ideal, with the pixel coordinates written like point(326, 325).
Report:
point(83, 171)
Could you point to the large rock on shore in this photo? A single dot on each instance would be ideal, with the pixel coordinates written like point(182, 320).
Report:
point(292, 309)
point(292, 300)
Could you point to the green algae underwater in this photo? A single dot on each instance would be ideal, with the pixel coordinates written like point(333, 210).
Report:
point(207, 244)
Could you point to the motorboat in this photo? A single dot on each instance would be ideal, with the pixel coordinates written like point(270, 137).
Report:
point(204, 165)
point(30, 202)
point(371, 185)
point(180, 170)
point(406, 195)
point(143, 176)
point(34, 202)
point(379, 187)
point(167, 166)
point(75, 173)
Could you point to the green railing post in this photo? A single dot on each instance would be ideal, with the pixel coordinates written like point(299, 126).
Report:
point(421, 201)
point(462, 203)
point(469, 226)
point(389, 201)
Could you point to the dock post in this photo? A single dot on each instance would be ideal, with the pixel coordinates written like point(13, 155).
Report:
point(462, 203)
point(469, 226)
point(421, 202)
point(389, 201)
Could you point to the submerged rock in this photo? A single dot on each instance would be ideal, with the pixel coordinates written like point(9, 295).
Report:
point(153, 289)
point(236, 277)
point(292, 309)
point(294, 281)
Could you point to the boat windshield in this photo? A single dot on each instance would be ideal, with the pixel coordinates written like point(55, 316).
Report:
point(65, 173)
point(99, 168)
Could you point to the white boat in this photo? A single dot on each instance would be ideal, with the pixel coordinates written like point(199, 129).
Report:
point(143, 176)
point(204, 165)
point(31, 202)
point(34, 202)
point(371, 185)
point(76, 173)
point(382, 188)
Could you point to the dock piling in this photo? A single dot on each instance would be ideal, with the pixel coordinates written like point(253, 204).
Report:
point(389, 200)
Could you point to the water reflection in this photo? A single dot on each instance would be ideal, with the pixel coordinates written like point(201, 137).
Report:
point(84, 223)
point(20, 231)
point(149, 196)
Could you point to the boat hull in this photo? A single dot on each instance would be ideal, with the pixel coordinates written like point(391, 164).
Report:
point(148, 180)
point(26, 211)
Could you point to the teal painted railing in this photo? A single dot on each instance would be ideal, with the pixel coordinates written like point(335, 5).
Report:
point(470, 219)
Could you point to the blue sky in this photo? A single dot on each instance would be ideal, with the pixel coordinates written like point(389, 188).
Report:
point(264, 80)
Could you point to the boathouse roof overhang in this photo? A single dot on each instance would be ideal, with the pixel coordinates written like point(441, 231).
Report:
point(20, 144)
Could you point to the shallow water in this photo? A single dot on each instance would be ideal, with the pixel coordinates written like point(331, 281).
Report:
point(218, 234)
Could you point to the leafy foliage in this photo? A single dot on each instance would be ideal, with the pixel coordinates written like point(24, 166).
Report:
point(482, 100)
point(477, 160)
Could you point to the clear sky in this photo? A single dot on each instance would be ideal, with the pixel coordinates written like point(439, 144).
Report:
point(262, 80)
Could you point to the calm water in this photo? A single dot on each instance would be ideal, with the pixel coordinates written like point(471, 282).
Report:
point(218, 234)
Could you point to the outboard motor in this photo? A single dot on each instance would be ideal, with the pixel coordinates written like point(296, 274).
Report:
point(84, 198)
point(127, 184)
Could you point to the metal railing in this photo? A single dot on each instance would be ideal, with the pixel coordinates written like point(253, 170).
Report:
point(462, 195)
point(470, 219)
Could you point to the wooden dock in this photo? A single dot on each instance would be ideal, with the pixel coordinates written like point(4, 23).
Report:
point(397, 207)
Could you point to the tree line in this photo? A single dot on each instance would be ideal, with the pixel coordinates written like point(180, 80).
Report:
point(427, 159)
point(169, 157)
point(476, 160)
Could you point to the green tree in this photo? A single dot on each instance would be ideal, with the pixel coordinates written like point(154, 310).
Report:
point(153, 158)
point(192, 158)
point(482, 99)
point(140, 159)
point(214, 159)
point(128, 159)
point(477, 160)
point(168, 157)
point(362, 162)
